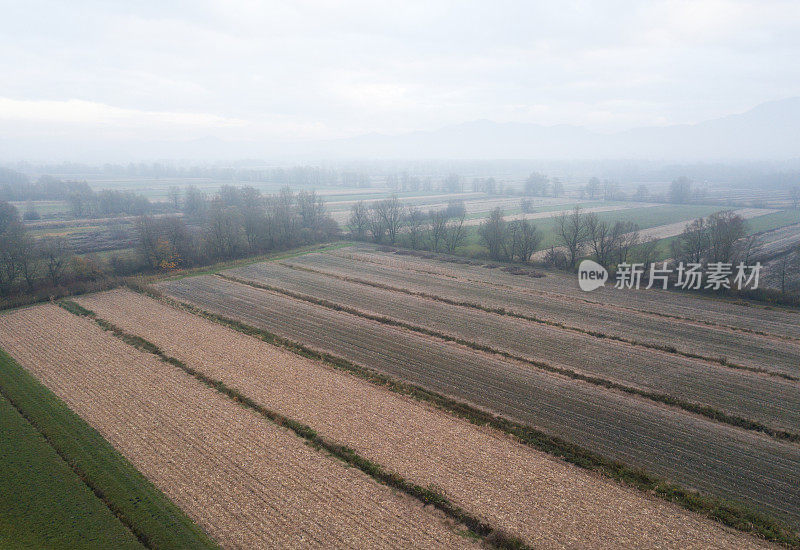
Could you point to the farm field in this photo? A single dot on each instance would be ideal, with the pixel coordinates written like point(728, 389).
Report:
point(781, 323)
point(713, 342)
point(720, 459)
point(46, 509)
point(542, 500)
point(771, 401)
point(246, 481)
point(43, 503)
point(777, 241)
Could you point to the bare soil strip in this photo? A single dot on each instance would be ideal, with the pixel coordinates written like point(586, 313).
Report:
point(545, 501)
point(688, 449)
point(677, 305)
point(248, 482)
point(751, 351)
point(770, 401)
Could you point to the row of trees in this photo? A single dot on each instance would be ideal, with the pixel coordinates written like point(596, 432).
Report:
point(236, 222)
point(578, 234)
point(233, 223)
point(509, 241)
point(389, 221)
point(23, 259)
point(721, 237)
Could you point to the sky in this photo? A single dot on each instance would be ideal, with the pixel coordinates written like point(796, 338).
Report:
point(315, 70)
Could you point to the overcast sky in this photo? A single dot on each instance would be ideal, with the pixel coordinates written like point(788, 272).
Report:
point(317, 70)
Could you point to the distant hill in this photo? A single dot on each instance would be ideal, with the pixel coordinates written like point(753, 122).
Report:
point(768, 131)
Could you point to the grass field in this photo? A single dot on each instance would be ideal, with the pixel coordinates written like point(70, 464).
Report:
point(43, 502)
point(50, 508)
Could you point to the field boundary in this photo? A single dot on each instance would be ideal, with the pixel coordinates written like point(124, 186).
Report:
point(153, 519)
point(427, 495)
point(728, 299)
point(730, 513)
point(663, 398)
point(721, 361)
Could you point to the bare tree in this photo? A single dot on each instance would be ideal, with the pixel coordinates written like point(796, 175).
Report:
point(55, 253)
point(603, 239)
point(455, 233)
point(571, 231)
point(437, 222)
point(494, 234)
point(359, 220)
point(415, 224)
point(174, 196)
point(525, 239)
point(390, 214)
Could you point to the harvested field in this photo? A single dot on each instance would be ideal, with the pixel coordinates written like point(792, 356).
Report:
point(544, 501)
point(248, 482)
point(778, 322)
point(769, 400)
point(555, 213)
point(683, 447)
point(750, 350)
point(776, 242)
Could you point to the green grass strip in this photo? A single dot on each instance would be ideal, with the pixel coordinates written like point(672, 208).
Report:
point(732, 514)
point(154, 520)
point(427, 495)
point(43, 502)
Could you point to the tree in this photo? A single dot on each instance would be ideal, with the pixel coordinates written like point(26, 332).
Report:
point(437, 228)
point(692, 244)
point(642, 193)
point(455, 234)
point(390, 215)
point(452, 183)
point(525, 239)
point(55, 252)
point(603, 239)
point(558, 187)
point(194, 204)
point(415, 223)
point(536, 184)
point(359, 220)
point(494, 234)
point(174, 196)
point(680, 190)
point(593, 187)
point(526, 205)
point(571, 232)
point(725, 232)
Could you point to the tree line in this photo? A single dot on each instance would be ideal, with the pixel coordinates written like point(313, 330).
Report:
point(233, 223)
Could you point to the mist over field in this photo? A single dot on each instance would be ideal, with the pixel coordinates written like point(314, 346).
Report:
point(400, 275)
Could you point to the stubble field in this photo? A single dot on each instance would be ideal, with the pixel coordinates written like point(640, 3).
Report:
point(684, 447)
point(543, 501)
point(248, 482)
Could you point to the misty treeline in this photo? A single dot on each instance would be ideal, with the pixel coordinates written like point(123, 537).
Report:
point(388, 221)
point(233, 223)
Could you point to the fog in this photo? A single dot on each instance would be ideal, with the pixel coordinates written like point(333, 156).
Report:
point(108, 82)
